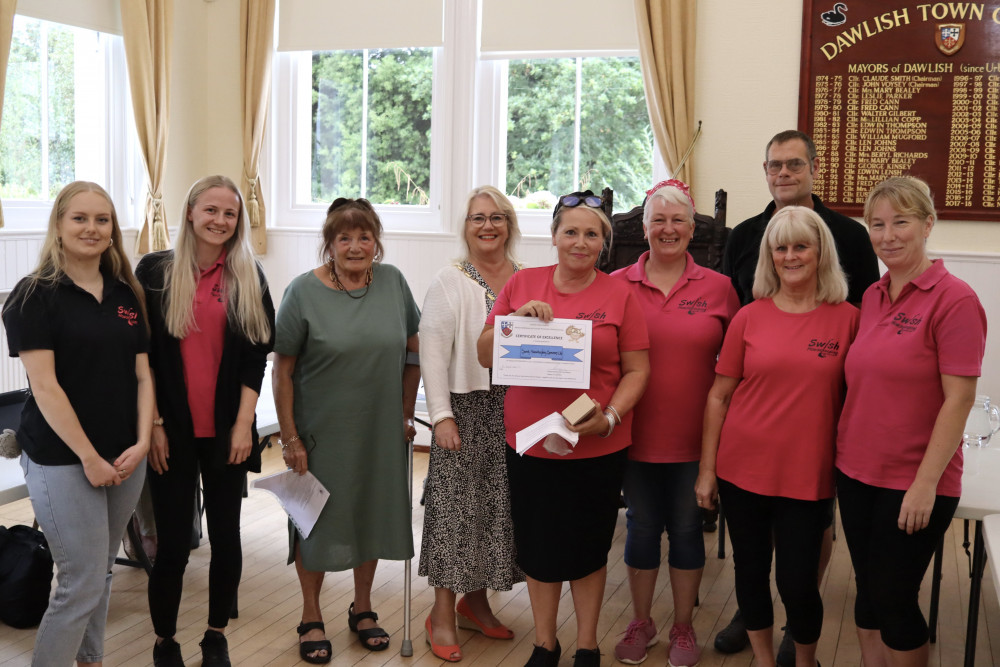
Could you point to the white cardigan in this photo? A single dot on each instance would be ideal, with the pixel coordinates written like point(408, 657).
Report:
point(452, 318)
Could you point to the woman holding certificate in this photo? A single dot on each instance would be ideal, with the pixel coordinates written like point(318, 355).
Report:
point(564, 507)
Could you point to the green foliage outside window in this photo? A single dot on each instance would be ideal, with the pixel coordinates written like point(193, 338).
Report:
point(616, 145)
point(399, 125)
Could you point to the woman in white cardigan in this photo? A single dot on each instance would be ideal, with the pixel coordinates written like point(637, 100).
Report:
point(468, 544)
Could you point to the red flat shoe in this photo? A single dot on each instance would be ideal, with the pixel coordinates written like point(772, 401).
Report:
point(468, 621)
point(448, 653)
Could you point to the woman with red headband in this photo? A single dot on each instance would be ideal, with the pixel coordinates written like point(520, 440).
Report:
point(687, 309)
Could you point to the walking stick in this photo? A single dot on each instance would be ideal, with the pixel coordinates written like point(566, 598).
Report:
point(406, 648)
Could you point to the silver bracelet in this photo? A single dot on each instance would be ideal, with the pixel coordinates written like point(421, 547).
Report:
point(611, 425)
point(618, 417)
point(285, 444)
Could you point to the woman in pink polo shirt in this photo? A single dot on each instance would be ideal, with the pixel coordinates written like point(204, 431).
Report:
point(687, 309)
point(212, 327)
point(770, 419)
point(911, 377)
point(564, 505)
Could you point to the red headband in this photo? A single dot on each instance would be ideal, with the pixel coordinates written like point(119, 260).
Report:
point(674, 183)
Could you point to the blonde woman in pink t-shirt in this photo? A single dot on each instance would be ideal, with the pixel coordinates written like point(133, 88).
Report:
point(911, 378)
point(768, 437)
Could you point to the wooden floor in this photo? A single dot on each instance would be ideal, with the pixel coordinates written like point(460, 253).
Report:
point(270, 606)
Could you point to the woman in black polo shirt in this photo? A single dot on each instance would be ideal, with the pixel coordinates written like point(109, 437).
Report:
point(78, 324)
point(212, 321)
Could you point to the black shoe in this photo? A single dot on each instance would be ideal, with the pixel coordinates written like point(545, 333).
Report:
point(543, 657)
point(733, 638)
point(214, 650)
point(587, 657)
point(167, 654)
point(786, 652)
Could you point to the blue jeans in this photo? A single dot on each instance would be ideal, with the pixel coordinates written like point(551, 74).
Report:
point(661, 496)
point(83, 526)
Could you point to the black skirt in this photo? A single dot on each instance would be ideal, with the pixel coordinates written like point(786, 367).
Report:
point(564, 513)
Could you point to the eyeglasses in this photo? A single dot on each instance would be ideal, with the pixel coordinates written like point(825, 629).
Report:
point(795, 165)
point(593, 201)
point(479, 219)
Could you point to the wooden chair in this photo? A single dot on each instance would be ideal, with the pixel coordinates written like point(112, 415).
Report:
point(706, 247)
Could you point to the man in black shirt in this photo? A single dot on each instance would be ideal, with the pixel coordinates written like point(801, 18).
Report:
point(790, 166)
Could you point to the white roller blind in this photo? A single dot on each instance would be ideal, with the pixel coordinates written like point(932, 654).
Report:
point(330, 25)
point(101, 15)
point(569, 26)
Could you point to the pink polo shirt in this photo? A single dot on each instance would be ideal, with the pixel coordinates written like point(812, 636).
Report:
point(618, 326)
point(686, 328)
point(935, 327)
point(201, 349)
point(779, 434)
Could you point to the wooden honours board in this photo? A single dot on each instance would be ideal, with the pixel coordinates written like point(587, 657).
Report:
point(892, 87)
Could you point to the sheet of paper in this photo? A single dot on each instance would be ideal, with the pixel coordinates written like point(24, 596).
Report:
point(527, 437)
point(303, 497)
point(530, 353)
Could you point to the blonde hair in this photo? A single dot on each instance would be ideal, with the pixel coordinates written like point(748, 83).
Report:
point(52, 258)
point(244, 299)
point(907, 194)
point(502, 203)
point(795, 224)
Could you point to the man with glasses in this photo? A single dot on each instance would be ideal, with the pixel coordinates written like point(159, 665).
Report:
point(789, 167)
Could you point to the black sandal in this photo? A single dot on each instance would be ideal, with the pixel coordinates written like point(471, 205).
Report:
point(365, 635)
point(314, 645)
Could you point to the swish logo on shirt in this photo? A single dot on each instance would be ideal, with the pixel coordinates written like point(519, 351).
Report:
point(217, 292)
point(824, 348)
point(596, 316)
point(693, 306)
point(129, 315)
point(905, 324)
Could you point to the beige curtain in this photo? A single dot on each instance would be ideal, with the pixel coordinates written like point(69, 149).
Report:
point(256, 44)
point(6, 35)
point(666, 50)
point(147, 28)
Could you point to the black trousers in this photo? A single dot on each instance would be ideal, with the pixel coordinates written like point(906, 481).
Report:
point(173, 506)
point(889, 564)
point(793, 529)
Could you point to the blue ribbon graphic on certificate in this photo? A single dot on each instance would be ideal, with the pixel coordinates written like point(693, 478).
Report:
point(531, 353)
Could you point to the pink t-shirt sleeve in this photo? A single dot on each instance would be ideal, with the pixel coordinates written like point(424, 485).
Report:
point(633, 335)
point(961, 338)
point(733, 350)
point(502, 305)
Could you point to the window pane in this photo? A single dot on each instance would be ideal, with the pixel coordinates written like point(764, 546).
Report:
point(616, 144)
point(394, 121)
point(336, 137)
point(41, 129)
point(616, 138)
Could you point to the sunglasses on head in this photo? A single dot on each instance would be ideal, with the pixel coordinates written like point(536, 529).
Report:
point(340, 202)
point(571, 201)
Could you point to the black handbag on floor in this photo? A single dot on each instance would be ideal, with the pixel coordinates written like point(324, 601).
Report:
point(25, 576)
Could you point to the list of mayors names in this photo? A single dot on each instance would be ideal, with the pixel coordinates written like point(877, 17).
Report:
point(871, 124)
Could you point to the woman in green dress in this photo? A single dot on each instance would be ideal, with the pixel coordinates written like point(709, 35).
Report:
point(345, 382)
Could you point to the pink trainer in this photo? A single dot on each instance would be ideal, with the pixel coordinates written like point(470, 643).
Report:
point(684, 650)
point(638, 636)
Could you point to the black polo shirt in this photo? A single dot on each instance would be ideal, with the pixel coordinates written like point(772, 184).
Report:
point(857, 258)
point(95, 345)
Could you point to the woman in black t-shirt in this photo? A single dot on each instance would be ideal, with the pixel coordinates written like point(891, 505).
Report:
point(78, 324)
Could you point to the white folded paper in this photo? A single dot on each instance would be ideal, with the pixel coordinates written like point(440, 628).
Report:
point(303, 497)
point(553, 424)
